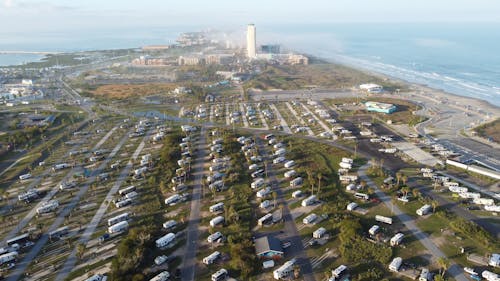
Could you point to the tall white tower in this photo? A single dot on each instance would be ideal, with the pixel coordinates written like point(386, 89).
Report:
point(251, 41)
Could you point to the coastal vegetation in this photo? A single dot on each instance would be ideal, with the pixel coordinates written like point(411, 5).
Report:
point(490, 131)
point(333, 76)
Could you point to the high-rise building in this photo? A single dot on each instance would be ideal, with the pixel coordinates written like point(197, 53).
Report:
point(251, 41)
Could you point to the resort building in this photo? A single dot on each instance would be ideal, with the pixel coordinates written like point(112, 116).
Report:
point(380, 107)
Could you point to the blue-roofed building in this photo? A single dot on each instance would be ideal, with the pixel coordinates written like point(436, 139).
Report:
point(380, 107)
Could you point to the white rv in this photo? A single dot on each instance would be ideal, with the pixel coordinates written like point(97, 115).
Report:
point(165, 240)
point(118, 227)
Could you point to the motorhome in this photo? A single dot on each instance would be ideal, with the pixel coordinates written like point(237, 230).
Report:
point(309, 201)
point(165, 240)
point(217, 207)
point(211, 258)
point(214, 237)
point(216, 221)
point(395, 264)
point(284, 270)
point(310, 219)
point(318, 233)
point(118, 227)
point(117, 219)
point(397, 239)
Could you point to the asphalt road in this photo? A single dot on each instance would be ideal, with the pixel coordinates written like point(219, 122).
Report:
point(459, 211)
point(26, 261)
point(23, 222)
point(296, 250)
point(91, 227)
point(188, 266)
point(409, 223)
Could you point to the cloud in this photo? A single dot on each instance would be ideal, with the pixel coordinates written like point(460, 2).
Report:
point(8, 3)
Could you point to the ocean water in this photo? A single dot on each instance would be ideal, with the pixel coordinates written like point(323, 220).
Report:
point(462, 59)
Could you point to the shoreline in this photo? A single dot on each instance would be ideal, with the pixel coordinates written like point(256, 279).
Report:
point(478, 103)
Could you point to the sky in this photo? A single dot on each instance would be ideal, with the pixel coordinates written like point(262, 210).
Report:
point(26, 16)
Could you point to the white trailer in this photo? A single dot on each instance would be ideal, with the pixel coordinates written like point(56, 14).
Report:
point(310, 219)
point(126, 190)
point(48, 207)
point(493, 208)
point(169, 224)
point(297, 194)
point(165, 240)
point(337, 272)
point(374, 229)
point(28, 195)
point(216, 221)
point(221, 274)
point(258, 182)
point(67, 185)
point(123, 203)
point(290, 164)
point(395, 264)
point(162, 276)
point(309, 201)
point(140, 171)
point(351, 206)
point(469, 195)
point(280, 152)
point(172, 199)
point(290, 174)
point(131, 195)
point(451, 183)
point(266, 218)
point(265, 204)
point(284, 270)
point(8, 257)
point(345, 165)
point(211, 258)
point(117, 219)
point(318, 233)
point(458, 189)
point(424, 210)
point(484, 201)
point(396, 239)
point(383, 219)
point(296, 182)
point(118, 227)
point(25, 176)
point(214, 237)
point(217, 207)
point(263, 192)
point(347, 160)
point(60, 166)
point(490, 276)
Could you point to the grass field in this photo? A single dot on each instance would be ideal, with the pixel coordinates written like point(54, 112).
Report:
point(490, 130)
point(323, 75)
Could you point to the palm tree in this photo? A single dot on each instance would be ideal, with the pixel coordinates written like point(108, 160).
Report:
point(275, 196)
point(398, 177)
point(310, 179)
point(320, 176)
point(415, 192)
point(434, 204)
point(404, 178)
point(80, 250)
point(405, 190)
point(362, 184)
point(443, 263)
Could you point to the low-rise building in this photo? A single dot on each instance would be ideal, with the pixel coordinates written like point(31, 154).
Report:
point(268, 247)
